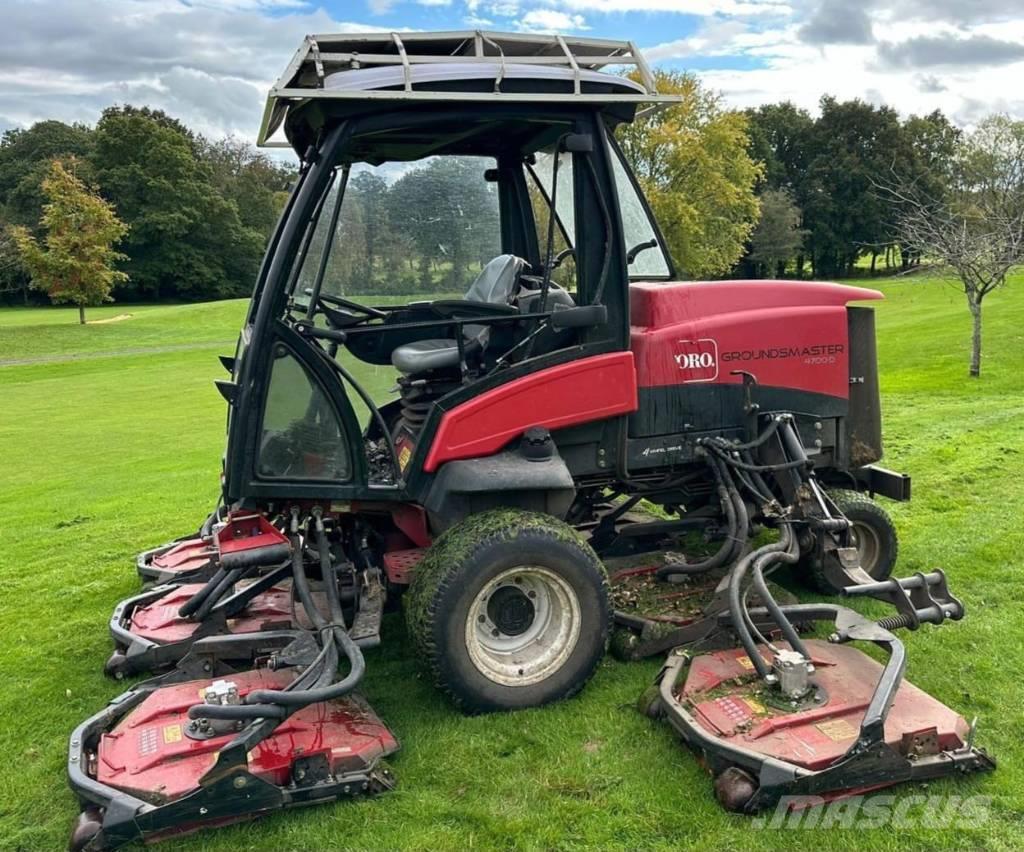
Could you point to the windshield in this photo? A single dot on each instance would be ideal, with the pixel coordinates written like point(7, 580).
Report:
point(423, 228)
point(649, 258)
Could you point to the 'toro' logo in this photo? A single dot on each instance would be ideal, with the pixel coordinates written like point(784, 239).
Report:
point(697, 359)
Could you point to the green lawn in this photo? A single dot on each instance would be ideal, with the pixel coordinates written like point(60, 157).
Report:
point(114, 452)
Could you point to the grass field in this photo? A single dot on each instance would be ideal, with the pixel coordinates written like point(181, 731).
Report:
point(119, 448)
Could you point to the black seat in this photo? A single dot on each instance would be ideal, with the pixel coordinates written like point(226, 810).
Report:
point(495, 285)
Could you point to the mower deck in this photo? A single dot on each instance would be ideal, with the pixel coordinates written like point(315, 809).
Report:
point(143, 763)
point(727, 699)
point(184, 560)
point(859, 727)
point(150, 634)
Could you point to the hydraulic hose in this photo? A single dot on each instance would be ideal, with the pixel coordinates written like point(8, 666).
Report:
point(226, 583)
point(725, 552)
point(740, 617)
point(236, 712)
point(331, 632)
point(312, 696)
point(789, 554)
point(196, 601)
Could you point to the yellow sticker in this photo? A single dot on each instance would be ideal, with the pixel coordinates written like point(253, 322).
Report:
point(403, 457)
point(755, 706)
point(837, 730)
point(172, 734)
point(747, 663)
point(341, 507)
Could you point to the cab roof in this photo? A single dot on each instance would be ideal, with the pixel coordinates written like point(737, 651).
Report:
point(391, 70)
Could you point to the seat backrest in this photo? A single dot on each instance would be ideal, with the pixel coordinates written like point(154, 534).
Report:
point(496, 282)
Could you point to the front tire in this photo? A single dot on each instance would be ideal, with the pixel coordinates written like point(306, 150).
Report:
point(509, 609)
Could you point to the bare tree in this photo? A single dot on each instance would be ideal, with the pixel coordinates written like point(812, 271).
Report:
point(972, 221)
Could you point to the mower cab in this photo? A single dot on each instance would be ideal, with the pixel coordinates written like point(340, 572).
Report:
point(563, 381)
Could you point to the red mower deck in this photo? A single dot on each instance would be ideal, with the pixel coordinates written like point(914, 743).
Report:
point(149, 754)
point(184, 560)
point(729, 702)
point(148, 775)
point(150, 634)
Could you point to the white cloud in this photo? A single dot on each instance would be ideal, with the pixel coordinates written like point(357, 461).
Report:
point(208, 62)
point(551, 21)
point(703, 8)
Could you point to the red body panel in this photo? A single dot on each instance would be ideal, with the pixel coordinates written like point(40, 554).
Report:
point(566, 395)
point(816, 737)
point(160, 621)
point(788, 334)
point(148, 754)
point(246, 532)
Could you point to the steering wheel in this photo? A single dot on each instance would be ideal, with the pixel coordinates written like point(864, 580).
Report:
point(346, 305)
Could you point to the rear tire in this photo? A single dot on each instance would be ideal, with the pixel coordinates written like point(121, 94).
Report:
point(873, 533)
point(509, 609)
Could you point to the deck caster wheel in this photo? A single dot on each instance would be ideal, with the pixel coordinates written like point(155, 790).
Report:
point(116, 666)
point(649, 702)
point(734, 789)
point(623, 644)
point(87, 828)
point(509, 609)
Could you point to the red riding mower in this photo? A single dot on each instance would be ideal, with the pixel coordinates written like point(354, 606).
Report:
point(573, 385)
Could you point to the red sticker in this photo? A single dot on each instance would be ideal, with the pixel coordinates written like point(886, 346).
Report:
point(697, 359)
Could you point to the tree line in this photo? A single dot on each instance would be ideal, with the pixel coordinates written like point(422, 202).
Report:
point(822, 213)
point(164, 213)
point(197, 211)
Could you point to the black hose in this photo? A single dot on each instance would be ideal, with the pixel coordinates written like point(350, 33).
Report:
point(196, 601)
point(758, 480)
point(236, 712)
point(770, 429)
point(723, 554)
point(212, 599)
point(357, 665)
point(740, 617)
point(313, 696)
point(759, 468)
point(787, 556)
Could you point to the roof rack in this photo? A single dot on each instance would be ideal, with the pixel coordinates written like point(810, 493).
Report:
point(417, 59)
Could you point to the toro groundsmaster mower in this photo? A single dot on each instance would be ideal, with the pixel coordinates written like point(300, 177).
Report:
point(576, 413)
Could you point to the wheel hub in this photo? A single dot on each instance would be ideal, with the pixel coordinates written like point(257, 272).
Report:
point(865, 539)
point(523, 626)
point(511, 611)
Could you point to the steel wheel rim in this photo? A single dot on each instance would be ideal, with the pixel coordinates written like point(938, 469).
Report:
point(869, 546)
point(508, 647)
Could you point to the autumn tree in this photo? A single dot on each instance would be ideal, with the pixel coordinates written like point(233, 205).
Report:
point(693, 163)
point(75, 261)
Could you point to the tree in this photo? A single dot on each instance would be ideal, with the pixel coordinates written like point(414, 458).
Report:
point(76, 262)
point(694, 166)
point(782, 138)
point(257, 185)
point(186, 239)
point(974, 223)
point(778, 236)
point(371, 190)
point(853, 142)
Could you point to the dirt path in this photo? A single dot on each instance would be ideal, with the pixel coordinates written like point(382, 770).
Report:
point(117, 353)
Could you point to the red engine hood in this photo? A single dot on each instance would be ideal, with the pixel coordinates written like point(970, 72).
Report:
point(653, 305)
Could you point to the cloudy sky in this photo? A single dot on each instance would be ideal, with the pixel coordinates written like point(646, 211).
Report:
point(209, 62)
